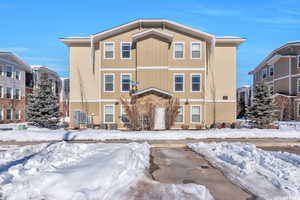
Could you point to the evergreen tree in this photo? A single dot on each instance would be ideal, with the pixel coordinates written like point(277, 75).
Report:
point(263, 110)
point(43, 106)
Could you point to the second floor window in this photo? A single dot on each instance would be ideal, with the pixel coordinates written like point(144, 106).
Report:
point(125, 50)
point(178, 50)
point(178, 82)
point(109, 50)
point(195, 82)
point(125, 82)
point(1, 71)
point(298, 85)
point(18, 75)
point(109, 82)
point(8, 93)
point(271, 70)
point(264, 73)
point(298, 61)
point(196, 50)
point(9, 71)
point(1, 113)
point(1, 91)
point(17, 94)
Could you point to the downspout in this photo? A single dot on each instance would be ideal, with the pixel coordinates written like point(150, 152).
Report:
point(93, 53)
point(100, 82)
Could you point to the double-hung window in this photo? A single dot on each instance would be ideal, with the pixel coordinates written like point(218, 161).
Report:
point(18, 75)
point(9, 71)
point(1, 112)
point(298, 85)
point(298, 109)
point(9, 114)
point(1, 70)
point(124, 116)
point(180, 116)
point(109, 82)
point(18, 114)
point(195, 113)
point(9, 93)
point(271, 70)
point(109, 50)
point(1, 91)
point(178, 82)
point(298, 61)
point(195, 50)
point(109, 111)
point(179, 50)
point(125, 82)
point(196, 82)
point(126, 50)
point(17, 94)
point(264, 73)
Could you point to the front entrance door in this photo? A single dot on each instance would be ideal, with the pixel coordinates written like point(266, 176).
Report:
point(159, 119)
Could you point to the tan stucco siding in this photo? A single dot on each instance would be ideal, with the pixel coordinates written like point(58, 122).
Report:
point(222, 74)
point(220, 112)
point(90, 108)
point(84, 82)
point(153, 78)
point(281, 86)
point(281, 68)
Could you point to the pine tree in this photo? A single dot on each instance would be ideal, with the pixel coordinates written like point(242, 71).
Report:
point(263, 110)
point(43, 106)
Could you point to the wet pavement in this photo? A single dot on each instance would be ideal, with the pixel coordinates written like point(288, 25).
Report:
point(181, 165)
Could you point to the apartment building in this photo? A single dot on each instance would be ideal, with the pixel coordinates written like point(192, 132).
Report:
point(159, 59)
point(13, 72)
point(243, 97)
point(64, 97)
point(280, 71)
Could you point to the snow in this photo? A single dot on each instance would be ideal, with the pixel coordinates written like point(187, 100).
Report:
point(86, 172)
point(267, 174)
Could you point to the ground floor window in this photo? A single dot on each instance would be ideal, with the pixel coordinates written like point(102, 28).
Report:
point(196, 113)
point(298, 109)
point(9, 114)
point(109, 111)
point(18, 114)
point(124, 117)
point(180, 116)
point(1, 113)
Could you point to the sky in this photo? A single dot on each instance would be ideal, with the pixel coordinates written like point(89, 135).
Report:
point(32, 28)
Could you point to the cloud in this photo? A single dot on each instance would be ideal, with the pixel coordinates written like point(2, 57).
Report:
point(15, 49)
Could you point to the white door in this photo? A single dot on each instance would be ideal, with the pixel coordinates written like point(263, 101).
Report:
point(159, 119)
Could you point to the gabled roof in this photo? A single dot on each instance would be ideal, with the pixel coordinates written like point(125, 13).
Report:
point(162, 34)
point(275, 53)
point(11, 57)
point(141, 92)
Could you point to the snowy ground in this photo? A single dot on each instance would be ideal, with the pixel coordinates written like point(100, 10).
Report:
point(38, 134)
point(269, 175)
point(86, 171)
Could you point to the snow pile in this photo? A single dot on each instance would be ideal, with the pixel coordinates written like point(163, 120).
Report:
point(269, 175)
point(289, 125)
point(84, 172)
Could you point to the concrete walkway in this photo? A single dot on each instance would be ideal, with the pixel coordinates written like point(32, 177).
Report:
point(181, 165)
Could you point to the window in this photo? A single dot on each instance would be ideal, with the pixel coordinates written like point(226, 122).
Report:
point(195, 114)
point(1, 113)
point(264, 73)
point(1, 91)
point(196, 50)
point(109, 82)
point(179, 50)
point(125, 50)
point(18, 75)
point(17, 94)
point(9, 114)
point(298, 109)
point(9, 93)
point(195, 82)
point(109, 111)
point(298, 61)
point(271, 90)
point(124, 117)
point(180, 116)
point(9, 71)
point(125, 82)
point(1, 71)
point(109, 50)
point(298, 85)
point(271, 70)
point(18, 114)
point(178, 82)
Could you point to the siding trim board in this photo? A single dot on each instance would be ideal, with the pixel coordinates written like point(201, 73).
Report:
point(154, 67)
point(181, 100)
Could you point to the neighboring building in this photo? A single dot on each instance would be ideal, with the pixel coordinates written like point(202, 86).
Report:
point(64, 97)
point(163, 59)
point(13, 73)
point(38, 71)
point(280, 71)
point(243, 97)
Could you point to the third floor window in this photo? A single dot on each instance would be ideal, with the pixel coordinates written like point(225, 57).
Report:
point(196, 50)
point(9, 71)
point(109, 50)
point(298, 61)
point(179, 50)
point(8, 93)
point(125, 50)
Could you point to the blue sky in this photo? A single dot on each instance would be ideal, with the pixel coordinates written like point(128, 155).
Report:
point(32, 28)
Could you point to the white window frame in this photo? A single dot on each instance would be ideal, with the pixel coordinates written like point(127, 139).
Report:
point(6, 71)
point(2, 91)
point(19, 75)
point(19, 113)
point(121, 50)
point(174, 82)
point(12, 93)
point(114, 113)
point(191, 119)
point(298, 109)
point(2, 73)
point(11, 114)
point(121, 80)
point(183, 54)
point(19, 93)
point(1, 113)
point(262, 73)
point(191, 50)
point(122, 109)
point(183, 116)
point(104, 89)
point(271, 67)
point(191, 84)
point(298, 85)
point(104, 50)
point(298, 59)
